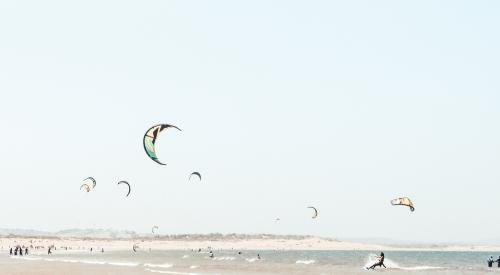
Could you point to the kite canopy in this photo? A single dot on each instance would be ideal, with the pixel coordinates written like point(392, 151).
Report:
point(196, 174)
point(150, 140)
point(154, 229)
point(315, 211)
point(94, 183)
point(124, 182)
point(403, 201)
point(85, 187)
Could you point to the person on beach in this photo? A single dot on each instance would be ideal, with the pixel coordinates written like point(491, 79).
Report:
point(10, 251)
point(26, 251)
point(490, 261)
point(49, 251)
point(258, 256)
point(380, 261)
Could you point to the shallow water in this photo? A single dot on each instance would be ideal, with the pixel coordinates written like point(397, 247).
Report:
point(277, 262)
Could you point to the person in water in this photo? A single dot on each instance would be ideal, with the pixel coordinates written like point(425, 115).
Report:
point(380, 262)
point(498, 261)
point(490, 261)
point(11, 251)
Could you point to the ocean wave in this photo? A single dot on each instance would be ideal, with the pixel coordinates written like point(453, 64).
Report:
point(305, 261)
point(173, 272)
point(26, 258)
point(166, 265)
point(251, 260)
point(224, 258)
point(93, 262)
point(372, 259)
point(423, 267)
point(123, 263)
point(88, 262)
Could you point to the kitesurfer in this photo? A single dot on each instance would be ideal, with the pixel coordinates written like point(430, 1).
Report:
point(380, 261)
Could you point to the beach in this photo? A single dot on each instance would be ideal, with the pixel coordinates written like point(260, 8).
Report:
point(278, 255)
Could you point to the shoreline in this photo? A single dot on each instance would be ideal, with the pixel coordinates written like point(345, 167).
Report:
point(308, 243)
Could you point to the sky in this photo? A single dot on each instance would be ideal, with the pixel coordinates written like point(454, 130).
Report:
point(342, 105)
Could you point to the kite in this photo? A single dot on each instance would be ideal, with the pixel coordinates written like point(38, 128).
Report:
point(196, 174)
point(94, 183)
point(154, 229)
point(315, 212)
point(124, 182)
point(86, 186)
point(403, 201)
point(150, 140)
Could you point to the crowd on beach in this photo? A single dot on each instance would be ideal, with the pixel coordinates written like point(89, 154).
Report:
point(18, 250)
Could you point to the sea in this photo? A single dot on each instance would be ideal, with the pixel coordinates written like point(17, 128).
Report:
point(191, 262)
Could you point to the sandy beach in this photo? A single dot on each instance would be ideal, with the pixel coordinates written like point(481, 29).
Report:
point(232, 254)
point(255, 242)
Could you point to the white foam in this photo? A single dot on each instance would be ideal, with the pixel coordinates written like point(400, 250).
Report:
point(224, 258)
point(251, 260)
point(185, 256)
point(372, 259)
point(123, 264)
point(26, 258)
point(166, 265)
point(193, 266)
point(69, 261)
point(92, 262)
point(78, 261)
point(422, 267)
point(172, 272)
point(305, 261)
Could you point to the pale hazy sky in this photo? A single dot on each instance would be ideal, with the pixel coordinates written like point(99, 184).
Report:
point(283, 104)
